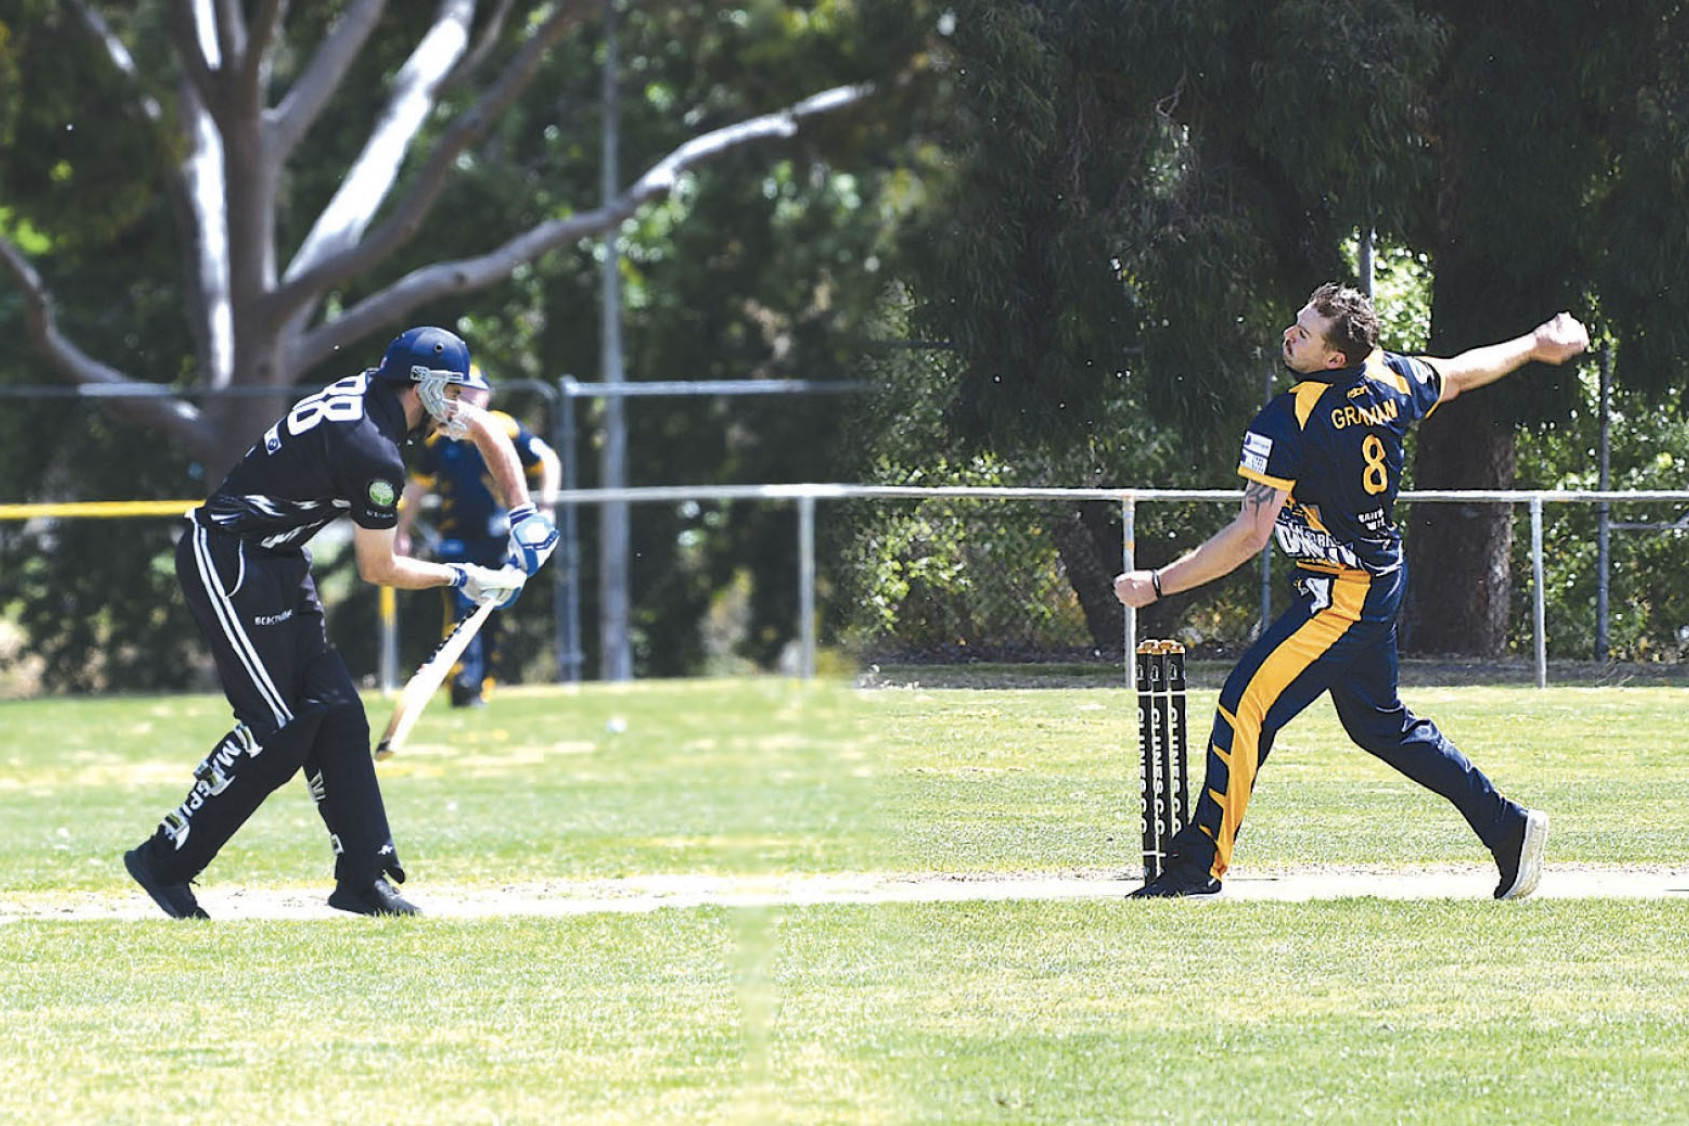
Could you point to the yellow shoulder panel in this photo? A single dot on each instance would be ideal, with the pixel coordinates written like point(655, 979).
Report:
point(1377, 369)
point(511, 426)
point(1307, 394)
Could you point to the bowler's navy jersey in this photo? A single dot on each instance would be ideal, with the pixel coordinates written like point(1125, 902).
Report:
point(456, 471)
point(1334, 441)
point(335, 454)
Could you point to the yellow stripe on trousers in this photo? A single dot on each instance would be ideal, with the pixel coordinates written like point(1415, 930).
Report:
point(1290, 660)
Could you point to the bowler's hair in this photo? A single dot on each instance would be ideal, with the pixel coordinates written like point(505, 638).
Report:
point(1354, 323)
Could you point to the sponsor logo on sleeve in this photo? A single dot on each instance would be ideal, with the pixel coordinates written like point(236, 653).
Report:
point(1257, 448)
point(382, 494)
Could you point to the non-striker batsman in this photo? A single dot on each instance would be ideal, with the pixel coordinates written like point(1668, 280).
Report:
point(1323, 462)
point(245, 573)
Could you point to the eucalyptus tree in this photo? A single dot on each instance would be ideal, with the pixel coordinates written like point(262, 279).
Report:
point(252, 195)
point(220, 101)
point(1561, 140)
point(1145, 191)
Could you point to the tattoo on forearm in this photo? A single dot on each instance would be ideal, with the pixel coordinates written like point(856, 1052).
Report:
point(1258, 496)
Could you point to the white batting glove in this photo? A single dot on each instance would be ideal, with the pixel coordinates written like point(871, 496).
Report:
point(482, 585)
point(533, 537)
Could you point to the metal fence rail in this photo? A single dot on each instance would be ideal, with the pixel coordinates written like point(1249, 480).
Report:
point(806, 498)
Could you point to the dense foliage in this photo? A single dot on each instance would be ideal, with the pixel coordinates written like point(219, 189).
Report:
point(1059, 241)
point(760, 265)
point(1143, 193)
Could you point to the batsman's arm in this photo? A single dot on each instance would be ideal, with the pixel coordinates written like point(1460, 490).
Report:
point(1553, 342)
point(499, 453)
point(1219, 555)
point(379, 562)
point(409, 505)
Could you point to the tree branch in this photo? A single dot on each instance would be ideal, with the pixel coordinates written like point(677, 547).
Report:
point(171, 415)
point(183, 29)
point(306, 279)
point(482, 50)
point(662, 176)
point(230, 26)
point(265, 23)
point(466, 275)
point(144, 105)
point(305, 100)
point(470, 274)
point(145, 110)
point(367, 183)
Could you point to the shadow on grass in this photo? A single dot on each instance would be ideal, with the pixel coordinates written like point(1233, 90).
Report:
point(1415, 673)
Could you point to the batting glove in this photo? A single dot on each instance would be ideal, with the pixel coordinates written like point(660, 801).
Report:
point(482, 585)
point(533, 537)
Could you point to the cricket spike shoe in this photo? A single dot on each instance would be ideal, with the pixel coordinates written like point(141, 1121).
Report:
point(378, 898)
point(177, 899)
point(1519, 856)
point(1179, 881)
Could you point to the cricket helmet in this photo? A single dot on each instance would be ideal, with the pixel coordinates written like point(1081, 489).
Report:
point(432, 358)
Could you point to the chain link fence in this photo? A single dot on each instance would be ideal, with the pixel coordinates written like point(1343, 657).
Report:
point(929, 575)
point(835, 579)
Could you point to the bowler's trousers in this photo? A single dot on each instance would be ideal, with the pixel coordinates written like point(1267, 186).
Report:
point(1338, 636)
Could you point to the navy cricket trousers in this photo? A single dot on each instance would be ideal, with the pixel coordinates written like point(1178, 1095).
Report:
point(296, 708)
point(1338, 636)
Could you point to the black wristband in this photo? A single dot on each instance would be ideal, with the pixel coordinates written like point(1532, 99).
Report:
point(1155, 581)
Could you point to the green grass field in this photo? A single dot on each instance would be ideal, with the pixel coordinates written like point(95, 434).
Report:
point(1337, 1010)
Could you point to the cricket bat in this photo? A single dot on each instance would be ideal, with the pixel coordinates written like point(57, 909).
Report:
point(427, 680)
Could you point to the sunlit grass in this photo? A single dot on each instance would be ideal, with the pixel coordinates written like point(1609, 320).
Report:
point(1352, 1010)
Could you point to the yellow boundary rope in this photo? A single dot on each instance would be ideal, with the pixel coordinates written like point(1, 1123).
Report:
point(97, 508)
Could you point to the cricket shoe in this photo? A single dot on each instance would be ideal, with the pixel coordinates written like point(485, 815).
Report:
point(177, 899)
point(1179, 881)
point(378, 898)
point(1520, 856)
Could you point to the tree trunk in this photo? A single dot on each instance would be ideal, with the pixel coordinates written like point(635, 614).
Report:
point(1459, 555)
point(1091, 574)
point(1088, 541)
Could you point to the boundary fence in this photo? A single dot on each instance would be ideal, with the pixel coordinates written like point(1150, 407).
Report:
point(559, 400)
point(806, 496)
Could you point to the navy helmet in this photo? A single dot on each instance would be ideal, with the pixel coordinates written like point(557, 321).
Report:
point(433, 358)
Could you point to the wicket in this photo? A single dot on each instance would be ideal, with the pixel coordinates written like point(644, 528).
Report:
point(1160, 669)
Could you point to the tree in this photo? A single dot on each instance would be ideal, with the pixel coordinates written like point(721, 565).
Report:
point(462, 203)
point(1560, 137)
point(249, 91)
point(1139, 197)
point(1143, 192)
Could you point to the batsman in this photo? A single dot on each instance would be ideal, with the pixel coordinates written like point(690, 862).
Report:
point(1323, 463)
point(245, 573)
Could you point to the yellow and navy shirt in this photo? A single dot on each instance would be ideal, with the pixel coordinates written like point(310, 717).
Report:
point(469, 508)
point(1334, 442)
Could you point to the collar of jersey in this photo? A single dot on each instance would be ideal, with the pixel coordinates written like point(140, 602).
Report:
point(381, 403)
point(1332, 376)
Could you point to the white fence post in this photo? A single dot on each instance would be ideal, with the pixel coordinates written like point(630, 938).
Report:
point(806, 582)
point(1128, 562)
point(1539, 598)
